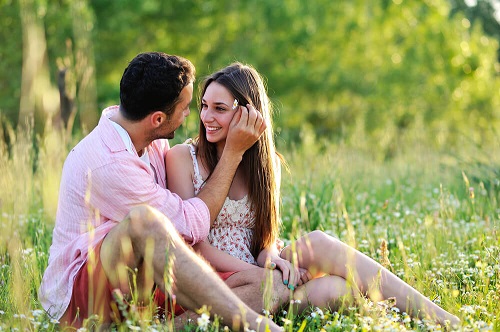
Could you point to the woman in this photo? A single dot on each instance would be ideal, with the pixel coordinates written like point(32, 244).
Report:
point(248, 224)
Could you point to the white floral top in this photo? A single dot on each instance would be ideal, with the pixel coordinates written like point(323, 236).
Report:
point(233, 229)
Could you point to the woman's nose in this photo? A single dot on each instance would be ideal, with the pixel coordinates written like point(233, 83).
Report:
point(206, 114)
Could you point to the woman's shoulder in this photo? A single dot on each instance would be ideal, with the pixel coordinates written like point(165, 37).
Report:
point(187, 146)
point(180, 151)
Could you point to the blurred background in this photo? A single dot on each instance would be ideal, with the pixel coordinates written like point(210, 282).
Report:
point(380, 76)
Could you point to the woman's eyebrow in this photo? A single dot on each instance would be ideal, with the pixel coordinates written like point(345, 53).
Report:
point(215, 103)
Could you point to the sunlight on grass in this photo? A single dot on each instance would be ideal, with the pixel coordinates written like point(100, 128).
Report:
point(431, 218)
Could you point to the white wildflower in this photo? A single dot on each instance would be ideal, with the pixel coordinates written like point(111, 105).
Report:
point(203, 321)
point(320, 313)
point(37, 312)
point(468, 309)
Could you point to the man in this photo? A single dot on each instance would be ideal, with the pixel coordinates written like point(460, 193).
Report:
point(116, 222)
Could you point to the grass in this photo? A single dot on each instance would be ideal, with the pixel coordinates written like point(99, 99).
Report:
point(432, 218)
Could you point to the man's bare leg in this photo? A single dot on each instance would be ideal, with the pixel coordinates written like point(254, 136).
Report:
point(260, 288)
point(140, 243)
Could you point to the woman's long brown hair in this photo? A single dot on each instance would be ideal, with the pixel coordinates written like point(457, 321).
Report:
point(259, 163)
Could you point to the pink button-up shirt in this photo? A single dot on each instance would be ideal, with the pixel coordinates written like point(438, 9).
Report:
point(101, 181)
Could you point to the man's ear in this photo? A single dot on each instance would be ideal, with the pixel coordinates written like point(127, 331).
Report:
point(157, 118)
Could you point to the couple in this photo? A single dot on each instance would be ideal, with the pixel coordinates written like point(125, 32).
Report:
point(117, 222)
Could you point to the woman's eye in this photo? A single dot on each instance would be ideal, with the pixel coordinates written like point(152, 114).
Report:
point(204, 106)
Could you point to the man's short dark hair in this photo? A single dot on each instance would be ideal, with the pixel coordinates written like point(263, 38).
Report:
point(152, 82)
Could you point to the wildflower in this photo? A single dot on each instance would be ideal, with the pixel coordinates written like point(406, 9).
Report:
point(258, 320)
point(395, 309)
point(2, 312)
point(203, 321)
point(37, 312)
point(468, 309)
point(320, 313)
point(471, 192)
point(286, 321)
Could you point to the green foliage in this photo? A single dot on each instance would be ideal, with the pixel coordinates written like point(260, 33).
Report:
point(378, 69)
point(10, 60)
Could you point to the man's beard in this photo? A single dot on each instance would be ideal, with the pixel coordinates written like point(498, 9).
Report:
point(159, 133)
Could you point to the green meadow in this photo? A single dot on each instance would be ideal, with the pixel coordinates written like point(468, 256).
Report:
point(431, 218)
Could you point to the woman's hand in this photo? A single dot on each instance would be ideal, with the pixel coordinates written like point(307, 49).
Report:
point(305, 276)
point(292, 276)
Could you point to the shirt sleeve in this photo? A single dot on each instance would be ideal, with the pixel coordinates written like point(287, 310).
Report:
point(117, 187)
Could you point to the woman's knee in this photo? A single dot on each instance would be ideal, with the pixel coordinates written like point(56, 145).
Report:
point(320, 241)
point(328, 290)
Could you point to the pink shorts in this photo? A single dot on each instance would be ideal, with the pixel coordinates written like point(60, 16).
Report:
point(93, 294)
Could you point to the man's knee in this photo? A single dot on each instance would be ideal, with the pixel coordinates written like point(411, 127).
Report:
point(280, 292)
point(144, 222)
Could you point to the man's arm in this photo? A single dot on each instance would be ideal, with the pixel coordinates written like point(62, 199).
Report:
point(245, 129)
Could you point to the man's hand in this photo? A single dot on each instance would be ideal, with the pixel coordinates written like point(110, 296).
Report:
point(244, 130)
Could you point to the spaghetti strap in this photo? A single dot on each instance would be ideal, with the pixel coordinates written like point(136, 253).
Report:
point(197, 179)
point(195, 160)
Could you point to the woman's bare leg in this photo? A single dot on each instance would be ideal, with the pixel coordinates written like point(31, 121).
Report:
point(324, 292)
point(321, 253)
